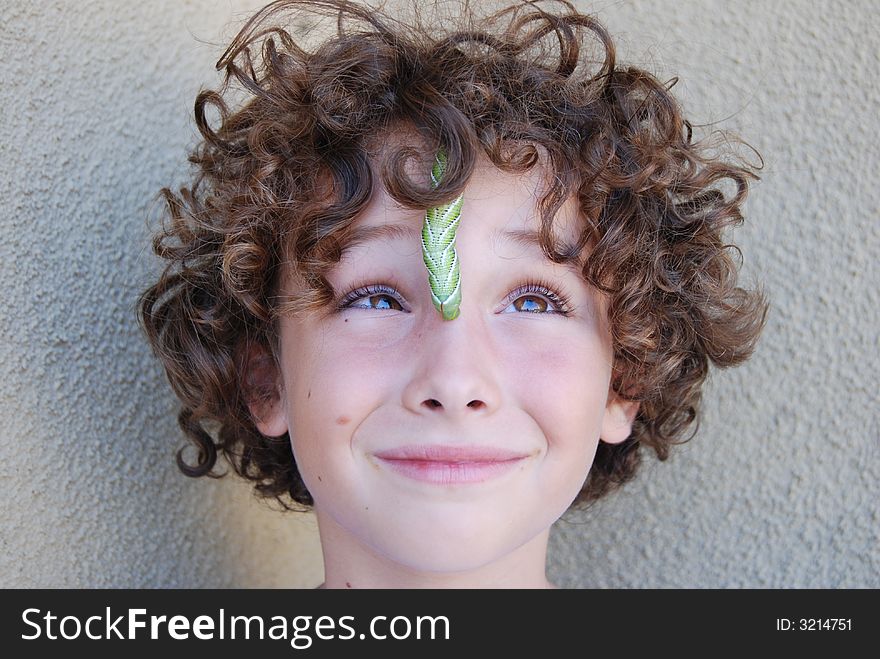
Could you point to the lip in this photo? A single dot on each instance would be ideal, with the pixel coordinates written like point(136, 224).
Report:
point(450, 465)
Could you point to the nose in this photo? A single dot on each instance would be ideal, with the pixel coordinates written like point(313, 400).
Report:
point(455, 370)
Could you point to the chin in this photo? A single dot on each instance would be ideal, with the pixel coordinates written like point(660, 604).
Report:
point(458, 544)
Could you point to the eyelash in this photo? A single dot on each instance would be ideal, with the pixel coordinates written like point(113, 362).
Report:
point(559, 298)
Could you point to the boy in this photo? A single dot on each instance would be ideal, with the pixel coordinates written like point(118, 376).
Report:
point(440, 283)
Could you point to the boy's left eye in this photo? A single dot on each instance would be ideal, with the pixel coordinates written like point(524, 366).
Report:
point(532, 297)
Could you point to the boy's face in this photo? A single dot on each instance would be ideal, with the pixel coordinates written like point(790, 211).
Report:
point(446, 445)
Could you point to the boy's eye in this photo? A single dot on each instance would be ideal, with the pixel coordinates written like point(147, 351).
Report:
point(379, 301)
point(538, 297)
point(530, 303)
point(376, 296)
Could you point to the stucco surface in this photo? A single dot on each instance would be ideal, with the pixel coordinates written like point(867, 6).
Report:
point(779, 488)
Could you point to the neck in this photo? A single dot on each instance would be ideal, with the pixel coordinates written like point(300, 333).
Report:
point(349, 563)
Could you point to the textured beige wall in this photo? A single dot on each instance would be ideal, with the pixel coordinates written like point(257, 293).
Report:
point(780, 488)
point(96, 102)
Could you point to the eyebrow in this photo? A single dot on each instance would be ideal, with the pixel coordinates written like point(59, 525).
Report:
point(523, 237)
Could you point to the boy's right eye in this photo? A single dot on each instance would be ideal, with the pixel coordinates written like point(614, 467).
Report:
point(376, 296)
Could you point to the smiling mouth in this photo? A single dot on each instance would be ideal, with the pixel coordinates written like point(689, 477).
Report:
point(450, 465)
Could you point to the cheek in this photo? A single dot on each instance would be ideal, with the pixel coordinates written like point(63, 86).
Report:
point(333, 386)
point(566, 387)
point(563, 383)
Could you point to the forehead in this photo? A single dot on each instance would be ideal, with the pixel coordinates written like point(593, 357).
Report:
point(500, 210)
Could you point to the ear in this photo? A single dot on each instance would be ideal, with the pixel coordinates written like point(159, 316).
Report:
point(618, 420)
point(263, 391)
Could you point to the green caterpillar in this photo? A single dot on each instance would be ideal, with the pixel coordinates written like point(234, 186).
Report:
point(438, 248)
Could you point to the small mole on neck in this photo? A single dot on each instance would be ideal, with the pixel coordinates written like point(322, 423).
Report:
point(342, 420)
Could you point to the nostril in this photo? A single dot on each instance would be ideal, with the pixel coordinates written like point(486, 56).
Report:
point(433, 404)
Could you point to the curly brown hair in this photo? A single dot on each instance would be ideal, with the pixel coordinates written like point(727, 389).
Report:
point(280, 179)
